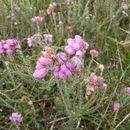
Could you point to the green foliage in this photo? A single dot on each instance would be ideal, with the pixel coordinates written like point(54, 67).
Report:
point(59, 104)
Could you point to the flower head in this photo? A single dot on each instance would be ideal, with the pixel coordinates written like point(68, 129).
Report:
point(37, 19)
point(44, 63)
point(62, 57)
point(48, 37)
point(76, 46)
point(32, 41)
point(40, 73)
point(94, 53)
point(116, 106)
point(62, 72)
point(93, 78)
point(16, 117)
point(9, 46)
point(125, 6)
point(95, 82)
point(62, 66)
point(51, 7)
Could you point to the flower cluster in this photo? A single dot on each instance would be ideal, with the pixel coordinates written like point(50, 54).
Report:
point(60, 64)
point(76, 46)
point(48, 37)
point(44, 63)
point(65, 69)
point(36, 38)
point(62, 72)
point(9, 46)
point(33, 40)
point(95, 81)
point(16, 117)
point(51, 7)
point(37, 19)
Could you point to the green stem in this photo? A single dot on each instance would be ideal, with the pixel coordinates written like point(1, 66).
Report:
point(62, 96)
point(115, 117)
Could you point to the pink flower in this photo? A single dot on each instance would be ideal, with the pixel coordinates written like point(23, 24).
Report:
point(2, 51)
point(69, 1)
point(12, 42)
point(79, 53)
point(54, 4)
point(62, 72)
point(68, 73)
point(51, 7)
point(70, 42)
point(9, 46)
point(48, 37)
point(76, 46)
point(94, 53)
point(78, 39)
point(70, 50)
point(37, 19)
point(44, 61)
point(125, 6)
point(127, 90)
point(57, 68)
point(90, 89)
point(71, 66)
point(56, 74)
point(116, 106)
point(76, 61)
point(94, 82)
point(38, 66)
point(48, 11)
point(9, 51)
point(16, 117)
point(61, 66)
point(40, 73)
point(44, 64)
point(100, 81)
point(93, 78)
point(62, 75)
point(32, 41)
point(62, 57)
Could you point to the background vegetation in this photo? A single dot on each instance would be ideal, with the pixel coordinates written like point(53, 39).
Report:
point(105, 26)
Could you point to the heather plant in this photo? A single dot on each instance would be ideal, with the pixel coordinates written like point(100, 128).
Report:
point(64, 64)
